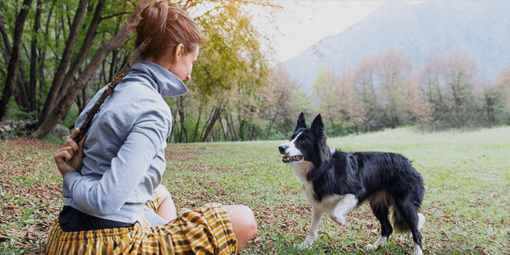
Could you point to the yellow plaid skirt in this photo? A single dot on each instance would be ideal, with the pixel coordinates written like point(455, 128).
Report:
point(206, 230)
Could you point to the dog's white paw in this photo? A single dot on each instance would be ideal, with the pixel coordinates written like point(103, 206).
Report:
point(302, 246)
point(417, 250)
point(371, 247)
point(380, 242)
point(307, 243)
point(340, 220)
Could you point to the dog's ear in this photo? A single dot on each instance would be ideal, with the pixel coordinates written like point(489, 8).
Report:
point(317, 124)
point(301, 123)
point(318, 129)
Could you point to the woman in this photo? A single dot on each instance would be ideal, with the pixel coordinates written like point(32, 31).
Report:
point(116, 204)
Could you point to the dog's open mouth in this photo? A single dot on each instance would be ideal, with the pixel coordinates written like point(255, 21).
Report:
point(292, 159)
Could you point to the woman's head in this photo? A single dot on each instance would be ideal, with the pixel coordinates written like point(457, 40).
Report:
point(174, 37)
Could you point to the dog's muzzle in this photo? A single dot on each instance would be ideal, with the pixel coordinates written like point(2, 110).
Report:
point(286, 158)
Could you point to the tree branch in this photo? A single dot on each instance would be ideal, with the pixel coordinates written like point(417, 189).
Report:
point(115, 15)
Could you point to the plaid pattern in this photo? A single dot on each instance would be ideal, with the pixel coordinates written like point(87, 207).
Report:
point(206, 230)
point(155, 202)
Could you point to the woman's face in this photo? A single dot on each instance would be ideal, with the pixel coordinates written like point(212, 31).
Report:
point(183, 64)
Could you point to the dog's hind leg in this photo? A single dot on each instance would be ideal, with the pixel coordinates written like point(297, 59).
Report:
point(342, 208)
point(381, 213)
point(314, 227)
point(408, 211)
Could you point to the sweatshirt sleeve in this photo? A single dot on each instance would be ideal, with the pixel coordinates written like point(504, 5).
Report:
point(106, 196)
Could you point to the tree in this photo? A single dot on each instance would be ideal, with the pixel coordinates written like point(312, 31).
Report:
point(278, 98)
point(349, 104)
point(15, 52)
point(415, 102)
point(324, 96)
point(86, 41)
point(459, 70)
point(503, 83)
point(391, 71)
point(363, 79)
point(65, 88)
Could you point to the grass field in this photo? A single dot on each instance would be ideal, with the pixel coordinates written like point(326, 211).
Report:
point(467, 201)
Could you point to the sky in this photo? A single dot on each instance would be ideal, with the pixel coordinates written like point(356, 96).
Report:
point(304, 23)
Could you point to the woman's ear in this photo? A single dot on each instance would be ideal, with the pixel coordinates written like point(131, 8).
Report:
point(179, 52)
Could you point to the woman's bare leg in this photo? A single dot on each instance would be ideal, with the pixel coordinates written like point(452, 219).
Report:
point(167, 209)
point(243, 222)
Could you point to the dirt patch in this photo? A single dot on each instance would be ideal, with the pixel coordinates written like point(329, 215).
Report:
point(25, 142)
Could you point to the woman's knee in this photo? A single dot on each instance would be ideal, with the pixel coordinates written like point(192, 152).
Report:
point(251, 222)
point(243, 222)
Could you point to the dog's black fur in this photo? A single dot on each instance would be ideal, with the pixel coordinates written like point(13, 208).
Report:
point(384, 179)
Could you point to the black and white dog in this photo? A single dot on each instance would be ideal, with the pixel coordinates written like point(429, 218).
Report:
point(336, 182)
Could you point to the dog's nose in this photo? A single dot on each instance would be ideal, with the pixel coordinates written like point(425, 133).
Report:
point(282, 148)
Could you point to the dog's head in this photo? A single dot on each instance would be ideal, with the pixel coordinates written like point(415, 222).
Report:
point(306, 144)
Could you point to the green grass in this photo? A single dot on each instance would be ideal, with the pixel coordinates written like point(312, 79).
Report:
point(467, 177)
point(467, 201)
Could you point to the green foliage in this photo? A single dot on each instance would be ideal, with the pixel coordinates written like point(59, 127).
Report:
point(54, 138)
point(71, 117)
point(15, 113)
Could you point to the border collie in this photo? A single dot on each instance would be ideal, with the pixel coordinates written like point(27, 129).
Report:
point(336, 182)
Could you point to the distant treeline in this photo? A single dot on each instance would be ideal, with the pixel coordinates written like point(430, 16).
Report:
point(385, 91)
point(381, 91)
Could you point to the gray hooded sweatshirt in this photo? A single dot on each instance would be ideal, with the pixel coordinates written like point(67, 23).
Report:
point(124, 156)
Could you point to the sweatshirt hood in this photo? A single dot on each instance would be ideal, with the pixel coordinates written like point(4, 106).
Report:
point(164, 81)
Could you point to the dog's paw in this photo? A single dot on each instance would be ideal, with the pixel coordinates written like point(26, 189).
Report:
point(302, 246)
point(340, 220)
point(417, 250)
point(307, 243)
point(380, 242)
point(371, 247)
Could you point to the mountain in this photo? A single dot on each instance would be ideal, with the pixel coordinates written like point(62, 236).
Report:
point(422, 31)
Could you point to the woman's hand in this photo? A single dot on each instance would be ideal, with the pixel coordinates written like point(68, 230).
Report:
point(69, 158)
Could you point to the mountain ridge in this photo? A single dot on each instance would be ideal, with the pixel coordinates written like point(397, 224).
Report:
point(422, 31)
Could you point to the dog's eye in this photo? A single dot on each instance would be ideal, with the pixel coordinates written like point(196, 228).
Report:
point(303, 141)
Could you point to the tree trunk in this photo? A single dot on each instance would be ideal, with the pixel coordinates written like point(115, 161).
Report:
point(198, 123)
point(43, 58)
point(67, 100)
point(215, 116)
point(232, 127)
point(33, 60)
point(223, 129)
point(169, 139)
point(10, 81)
point(182, 116)
point(51, 99)
point(84, 49)
point(271, 125)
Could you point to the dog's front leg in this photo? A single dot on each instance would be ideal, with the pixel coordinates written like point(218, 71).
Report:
point(314, 228)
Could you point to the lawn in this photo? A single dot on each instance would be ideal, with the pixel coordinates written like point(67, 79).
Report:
point(467, 201)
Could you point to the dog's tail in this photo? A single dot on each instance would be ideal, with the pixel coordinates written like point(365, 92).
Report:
point(382, 201)
point(402, 225)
